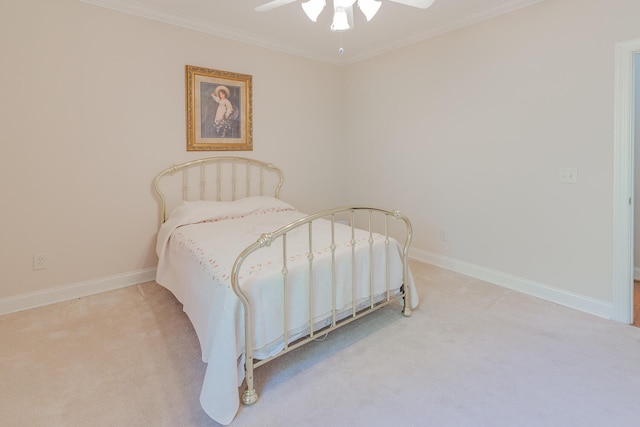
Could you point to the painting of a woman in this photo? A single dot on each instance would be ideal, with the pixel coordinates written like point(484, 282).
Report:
point(219, 116)
point(219, 111)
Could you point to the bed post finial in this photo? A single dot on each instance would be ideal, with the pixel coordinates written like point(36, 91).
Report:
point(249, 396)
point(406, 311)
point(265, 240)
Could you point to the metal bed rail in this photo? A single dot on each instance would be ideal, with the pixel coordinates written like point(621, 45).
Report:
point(250, 395)
point(241, 172)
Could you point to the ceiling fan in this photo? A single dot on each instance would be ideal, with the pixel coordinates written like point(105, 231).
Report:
point(342, 9)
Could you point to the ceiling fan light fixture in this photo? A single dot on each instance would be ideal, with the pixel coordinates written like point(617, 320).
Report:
point(342, 9)
point(369, 8)
point(313, 8)
point(340, 20)
point(343, 3)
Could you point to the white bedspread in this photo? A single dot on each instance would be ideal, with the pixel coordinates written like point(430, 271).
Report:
point(197, 247)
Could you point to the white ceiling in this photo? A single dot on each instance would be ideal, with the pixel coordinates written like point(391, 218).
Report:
point(288, 29)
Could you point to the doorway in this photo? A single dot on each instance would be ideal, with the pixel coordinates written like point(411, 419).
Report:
point(623, 230)
point(636, 303)
point(635, 123)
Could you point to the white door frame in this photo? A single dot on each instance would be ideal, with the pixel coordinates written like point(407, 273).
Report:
point(622, 310)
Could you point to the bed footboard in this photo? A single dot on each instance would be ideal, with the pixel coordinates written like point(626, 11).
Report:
point(374, 221)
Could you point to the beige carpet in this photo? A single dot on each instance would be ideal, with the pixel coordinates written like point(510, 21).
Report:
point(473, 354)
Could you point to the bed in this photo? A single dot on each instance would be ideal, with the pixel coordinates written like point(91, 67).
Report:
point(257, 278)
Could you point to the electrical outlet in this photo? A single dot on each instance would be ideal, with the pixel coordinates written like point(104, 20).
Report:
point(443, 235)
point(569, 175)
point(39, 261)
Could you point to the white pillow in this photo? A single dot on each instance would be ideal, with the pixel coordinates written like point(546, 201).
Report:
point(208, 210)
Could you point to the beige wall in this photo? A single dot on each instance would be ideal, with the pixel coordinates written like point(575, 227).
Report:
point(93, 106)
point(474, 126)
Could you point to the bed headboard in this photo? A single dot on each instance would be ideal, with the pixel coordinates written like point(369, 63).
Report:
point(216, 178)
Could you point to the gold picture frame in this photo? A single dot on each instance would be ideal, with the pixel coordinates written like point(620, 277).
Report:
point(219, 113)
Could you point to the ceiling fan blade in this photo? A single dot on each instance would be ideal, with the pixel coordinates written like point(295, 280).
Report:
point(422, 4)
point(272, 5)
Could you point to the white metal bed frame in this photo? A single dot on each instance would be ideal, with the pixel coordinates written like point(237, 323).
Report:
point(229, 189)
point(251, 188)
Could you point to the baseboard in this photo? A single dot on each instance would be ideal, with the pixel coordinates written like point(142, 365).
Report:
point(549, 293)
point(73, 291)
point(636, 273)
point(78, 290)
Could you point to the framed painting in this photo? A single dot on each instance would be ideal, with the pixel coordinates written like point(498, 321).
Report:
point(218, 110)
